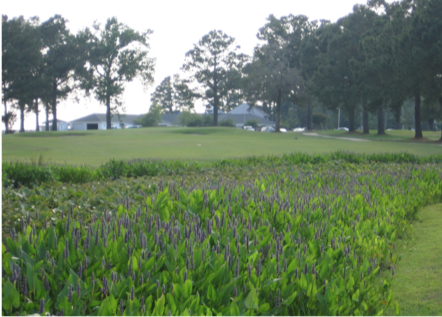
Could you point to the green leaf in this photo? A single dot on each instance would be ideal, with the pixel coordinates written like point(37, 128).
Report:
point(251, 300)
point(108, 307)
point(10, 296)
point(211, 293)
point(271, 281)
point(355, 296)
point(234, 310)
point(159, 306)
point(289, 300)
point(148, 302)
point(264, 308)
point(171, 303)
point(350, 283)
point(187, 289)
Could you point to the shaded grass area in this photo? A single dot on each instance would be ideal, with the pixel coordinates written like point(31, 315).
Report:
point(417, 283)
point(392, 136)
point(189, 144)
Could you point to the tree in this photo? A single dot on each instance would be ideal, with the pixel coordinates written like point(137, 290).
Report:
point(274, 76)
point(21, 60)
point(117, 55)
point(270, 78)
point(216, 67)
point(63, 54)
point(338, 79)
point(164, 95)
point(152, 118)
point(173, 95)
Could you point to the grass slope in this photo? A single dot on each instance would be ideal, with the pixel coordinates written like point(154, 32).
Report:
point(417, 282)
point(202, 144)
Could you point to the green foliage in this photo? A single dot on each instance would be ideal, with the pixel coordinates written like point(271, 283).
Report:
point(252, 123)
point(152, 118)
point(319, 119)
point(17, 174)
point(210, 246)
point(189, 119)
point(216, 67)
point(114, 60)
point(227, 123)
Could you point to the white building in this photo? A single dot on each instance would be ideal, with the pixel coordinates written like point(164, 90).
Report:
point(97, 121)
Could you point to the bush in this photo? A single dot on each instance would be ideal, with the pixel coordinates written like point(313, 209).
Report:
point(252, 123)
point(189, 119)
point(227, 123)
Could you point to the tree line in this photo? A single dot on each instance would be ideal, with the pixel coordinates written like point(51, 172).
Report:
point(376, 59)
point(44, 62)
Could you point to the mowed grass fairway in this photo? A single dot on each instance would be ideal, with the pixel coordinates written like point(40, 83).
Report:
point(202, 144)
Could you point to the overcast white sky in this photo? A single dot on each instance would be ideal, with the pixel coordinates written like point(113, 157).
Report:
point(177, 26)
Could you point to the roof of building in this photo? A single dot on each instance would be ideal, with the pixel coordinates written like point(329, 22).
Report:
point(245, 109)
point(58, 121)
point(101, 117)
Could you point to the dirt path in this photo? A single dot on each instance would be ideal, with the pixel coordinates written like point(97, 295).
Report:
point(334, 137)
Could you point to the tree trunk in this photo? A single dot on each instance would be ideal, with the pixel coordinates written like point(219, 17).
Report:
point(351, 120)
point(440, 126)
point(54, 106)
point(6, 112)
point(108, 113)
point(309, 124)
point(47, 118)
point(366, 129)
point(22, 118)
point(215, 95)
point(397, 115)
point(278, 109)
point(381, 123)
point(37, 128)
point(417, 115)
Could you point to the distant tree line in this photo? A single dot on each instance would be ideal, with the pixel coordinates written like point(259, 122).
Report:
point(380, 64)
point(44, 62)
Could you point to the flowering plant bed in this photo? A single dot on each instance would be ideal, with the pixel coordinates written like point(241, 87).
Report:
point(294, 242)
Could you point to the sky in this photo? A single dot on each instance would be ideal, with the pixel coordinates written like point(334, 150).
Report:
point(177, 26)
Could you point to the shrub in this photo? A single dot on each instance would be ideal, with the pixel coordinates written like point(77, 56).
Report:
point(252, 123)
point(227, 123)
point(189, 119)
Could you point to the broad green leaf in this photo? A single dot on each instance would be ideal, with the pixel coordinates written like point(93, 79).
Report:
point(187, 289)
point(234, 310)
point(171, 303)
point(350, 283)
point(10, 296)
point(251, 300)
point(108, 307)
point(264, 308)
point(159, 306)
point(289, 300)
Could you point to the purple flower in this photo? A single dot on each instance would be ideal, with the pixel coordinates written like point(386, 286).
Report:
point(121, 306)
point(41, 310)
point(70, 294)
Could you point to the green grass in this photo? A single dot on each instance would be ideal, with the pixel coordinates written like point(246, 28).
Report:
point(200, 144)
point(395, 135)
point(417, 283)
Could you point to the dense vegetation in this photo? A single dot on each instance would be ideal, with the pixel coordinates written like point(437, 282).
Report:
point(19, 173)
point(292, 235)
